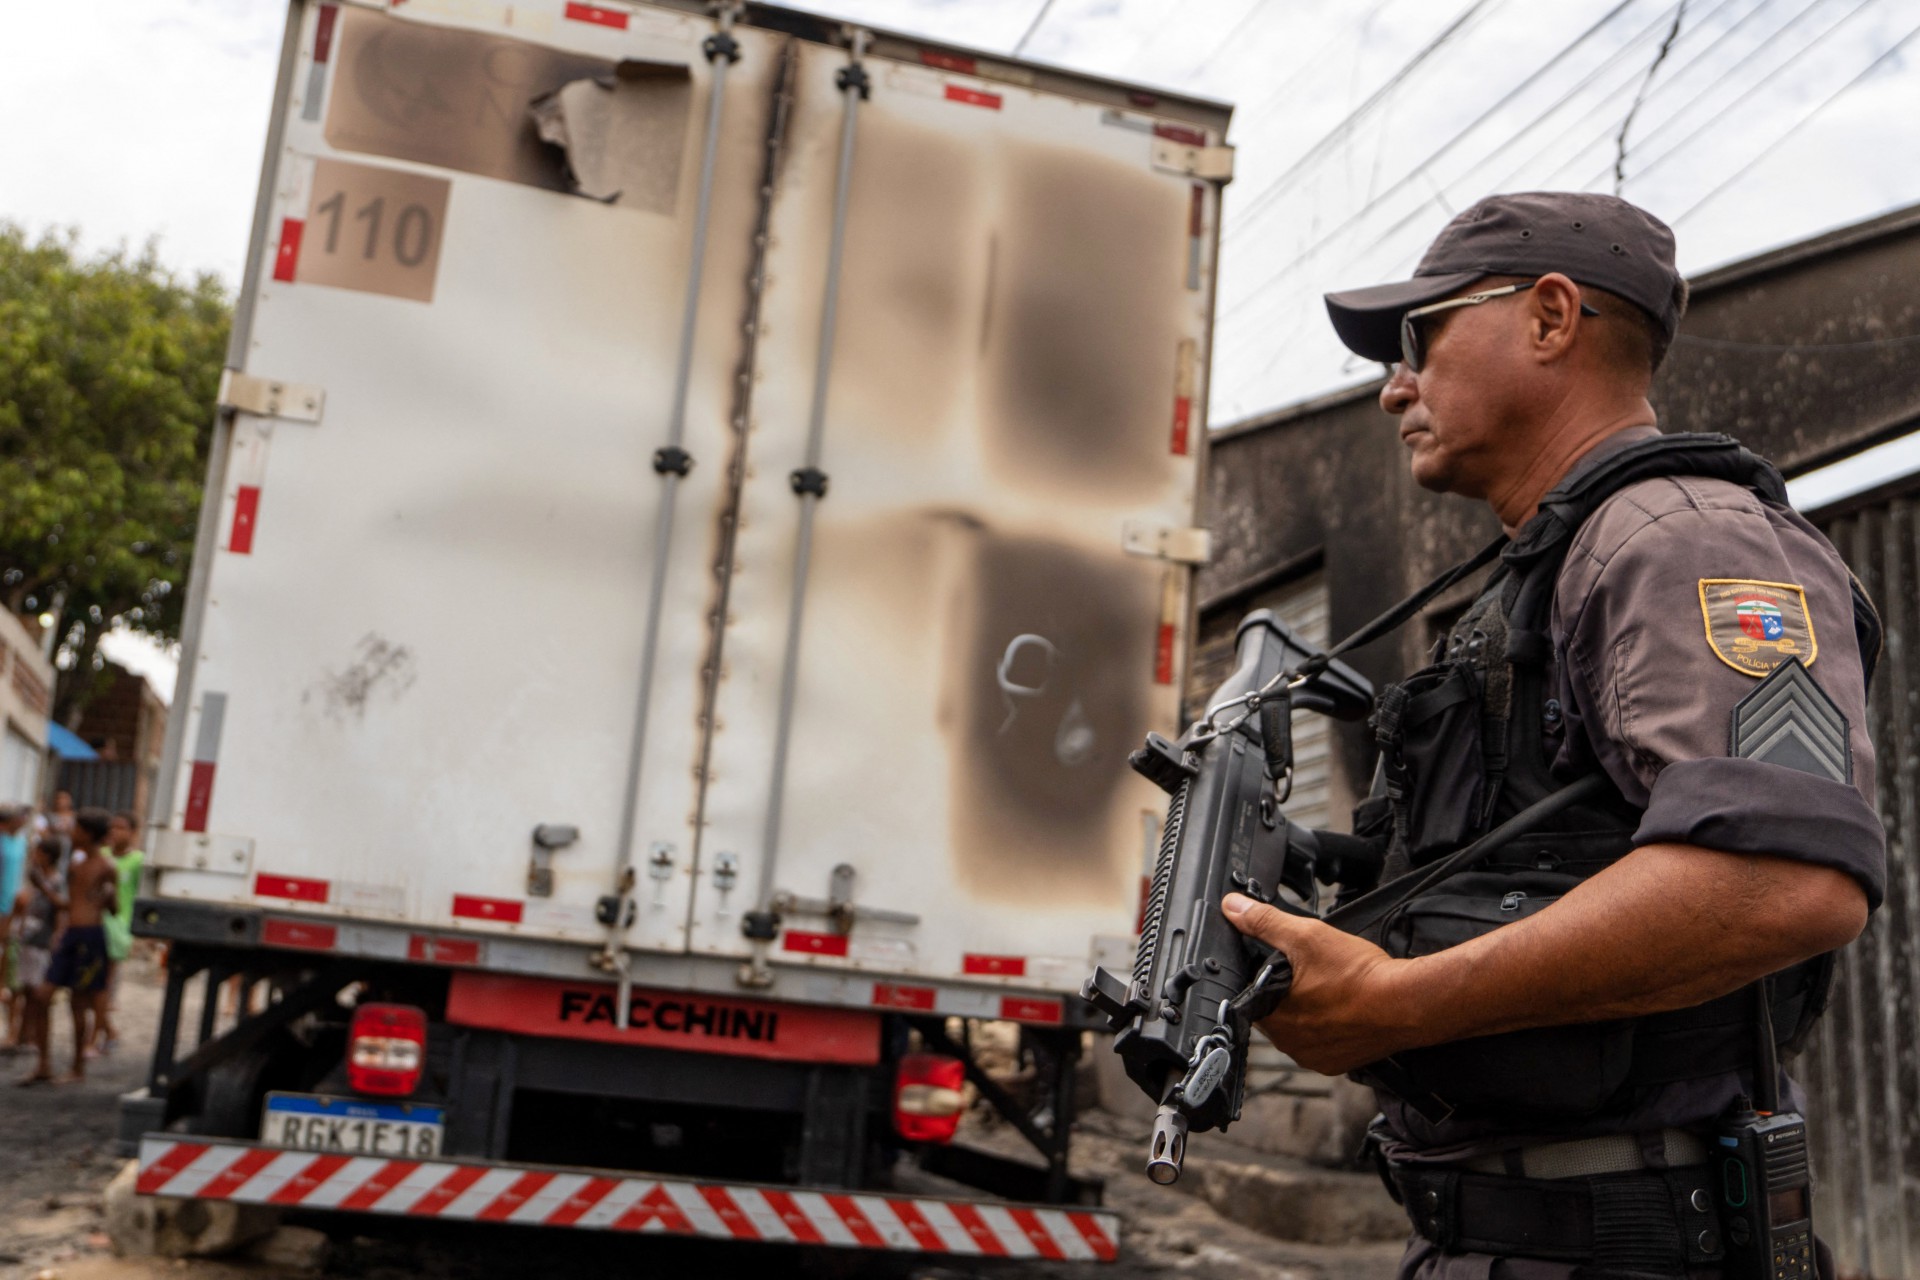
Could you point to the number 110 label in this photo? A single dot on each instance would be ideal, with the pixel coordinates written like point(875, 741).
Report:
point(375, 230)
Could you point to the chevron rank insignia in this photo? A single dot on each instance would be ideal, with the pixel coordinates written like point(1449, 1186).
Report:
point(1789, 720)
point(1753, 626)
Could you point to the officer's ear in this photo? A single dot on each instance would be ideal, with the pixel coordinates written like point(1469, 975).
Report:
point(1554, 317)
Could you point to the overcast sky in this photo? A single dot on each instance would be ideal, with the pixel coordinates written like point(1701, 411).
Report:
point(138, 118)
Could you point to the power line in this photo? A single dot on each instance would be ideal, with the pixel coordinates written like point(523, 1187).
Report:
point(1447, 146)
point(1046, 7)
point(1340, 131)
point(1676, 78)
point(1800, 124)
point(1773, 37)
point(1666, 46)
point(1313, 61)
point(1763, 83)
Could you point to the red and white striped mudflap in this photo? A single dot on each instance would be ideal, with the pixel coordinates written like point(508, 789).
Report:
point(477, 1191)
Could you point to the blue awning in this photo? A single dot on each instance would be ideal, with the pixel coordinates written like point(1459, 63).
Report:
point(67, 744)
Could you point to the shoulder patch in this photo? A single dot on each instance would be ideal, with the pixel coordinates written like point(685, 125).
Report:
point(1790, 721)
point(1755, 626)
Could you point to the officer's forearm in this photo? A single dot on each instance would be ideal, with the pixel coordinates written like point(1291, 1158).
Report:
point(1666, 927)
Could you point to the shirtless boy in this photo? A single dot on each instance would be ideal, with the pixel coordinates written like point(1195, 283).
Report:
point(80, 958)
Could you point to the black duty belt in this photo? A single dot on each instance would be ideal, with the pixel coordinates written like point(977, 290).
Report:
point(1657, 1221)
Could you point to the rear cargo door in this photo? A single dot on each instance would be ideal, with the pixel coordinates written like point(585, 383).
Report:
point(429, 596)
point(1013, 402)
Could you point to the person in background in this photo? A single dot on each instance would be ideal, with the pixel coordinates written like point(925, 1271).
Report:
point(34, 919)
point(122, 830)
point(80, 957)
point(13, 869)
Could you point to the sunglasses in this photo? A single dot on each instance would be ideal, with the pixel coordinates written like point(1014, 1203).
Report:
point(1413, 343)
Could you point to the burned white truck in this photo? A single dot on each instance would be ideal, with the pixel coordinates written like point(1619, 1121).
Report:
point(703, 501)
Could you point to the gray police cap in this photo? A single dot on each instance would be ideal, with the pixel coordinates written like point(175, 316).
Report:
point(1601, 241)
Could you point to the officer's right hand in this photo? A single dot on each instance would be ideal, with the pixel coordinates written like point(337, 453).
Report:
point(1344, 1009)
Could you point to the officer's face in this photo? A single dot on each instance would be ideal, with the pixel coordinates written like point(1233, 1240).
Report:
point(1455, 413)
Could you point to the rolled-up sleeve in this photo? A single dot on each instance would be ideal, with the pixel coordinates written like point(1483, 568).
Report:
point(1652, 665)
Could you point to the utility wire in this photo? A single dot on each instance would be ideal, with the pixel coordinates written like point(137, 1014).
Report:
point(1040, 16)
point(1265, 198)
point(1763, 83)
point(1574, 156)
point(1800, 124)
point(1405, 180)
point(1676, 78)
point(1666, 46)
point(1419, 210)
point(1312, 63)
point(1701, 25)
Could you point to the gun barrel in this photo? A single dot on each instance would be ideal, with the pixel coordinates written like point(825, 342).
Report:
point(1168, 1149)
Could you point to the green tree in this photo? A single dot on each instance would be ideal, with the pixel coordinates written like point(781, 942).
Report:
point(108, 371)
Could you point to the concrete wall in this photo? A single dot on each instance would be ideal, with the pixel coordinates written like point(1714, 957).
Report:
point(26, 695)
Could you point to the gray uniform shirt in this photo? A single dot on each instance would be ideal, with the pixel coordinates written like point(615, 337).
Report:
point(1678, 595)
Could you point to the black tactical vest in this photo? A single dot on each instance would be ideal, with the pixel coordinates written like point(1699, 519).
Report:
point(1471, 740)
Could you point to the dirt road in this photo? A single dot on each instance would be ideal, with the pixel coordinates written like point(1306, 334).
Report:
point(56, 1156)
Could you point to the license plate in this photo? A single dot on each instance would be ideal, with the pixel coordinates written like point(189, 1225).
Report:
point(352, 1126)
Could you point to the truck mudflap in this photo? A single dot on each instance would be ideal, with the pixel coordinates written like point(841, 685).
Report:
point(603, 1200)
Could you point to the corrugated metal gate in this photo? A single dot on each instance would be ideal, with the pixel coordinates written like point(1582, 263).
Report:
point(1861, 1071)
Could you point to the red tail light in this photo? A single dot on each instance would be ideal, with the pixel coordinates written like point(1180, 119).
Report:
point(386, 1049)
point(928, 1097)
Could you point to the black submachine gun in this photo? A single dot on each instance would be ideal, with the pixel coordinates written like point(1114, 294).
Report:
point(1198, 985)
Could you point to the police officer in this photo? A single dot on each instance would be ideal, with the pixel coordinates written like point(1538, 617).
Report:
point(1554, 1034)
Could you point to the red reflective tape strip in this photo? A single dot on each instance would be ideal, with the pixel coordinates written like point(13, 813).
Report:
point(199, 796)
point(506, 910)
point(949, 61)
point(996, 966)
point(856, 1221)
point(368, 1193)
point(448, 1190)
point(323, 32)
point(299, 890)
point(246, 511)
point(1095, 1235)
point(430, 950)
point(1163, 655)
point(1180, 133)
point(1182, 425)
point(1197, 212)
point(162, 1171)
point(973, 97)
point(524, 1188)
point(599, 17)
point(1016, 1009)
point(1031, 1226)
point(298, 934)
point(235, 1175)
point(890, 995)
point(797, 1222)
point(302, 1184)
point(287, 257)
point(917, 1226)
point(815, 944)
point(976, 1227)
point(655, 1204)
point(731, 1215)
point(576, 1206)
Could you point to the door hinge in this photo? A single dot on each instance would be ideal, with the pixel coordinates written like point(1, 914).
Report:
point(1210, 164)
point(1180, 544)
point(265, 398)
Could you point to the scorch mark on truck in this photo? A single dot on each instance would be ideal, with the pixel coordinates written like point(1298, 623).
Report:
point(379, 667)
